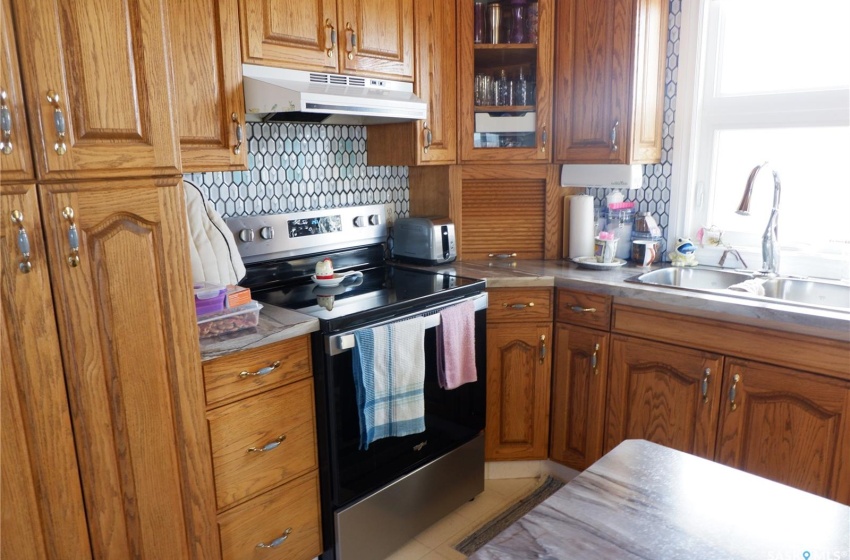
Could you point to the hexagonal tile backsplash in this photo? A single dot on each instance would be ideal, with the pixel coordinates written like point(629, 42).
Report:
point(296, 167)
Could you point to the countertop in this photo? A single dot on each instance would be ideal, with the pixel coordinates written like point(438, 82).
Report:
point(643, 500)
point(565, 274)
point(279, 324)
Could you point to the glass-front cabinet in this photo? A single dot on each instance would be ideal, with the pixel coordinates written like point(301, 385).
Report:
point(505, 79)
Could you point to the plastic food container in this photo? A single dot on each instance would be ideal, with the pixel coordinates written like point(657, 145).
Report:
point(209, 298)
point(230, 320)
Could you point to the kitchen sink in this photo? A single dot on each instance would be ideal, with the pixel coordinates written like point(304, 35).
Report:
point(692, 278)
point(797, 291)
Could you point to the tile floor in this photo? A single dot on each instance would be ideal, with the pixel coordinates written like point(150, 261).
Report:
point(437, 541)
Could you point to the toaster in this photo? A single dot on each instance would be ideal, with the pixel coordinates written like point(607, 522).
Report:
point(424, 240)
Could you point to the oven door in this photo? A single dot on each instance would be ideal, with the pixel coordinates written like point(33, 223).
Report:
point(452, 418)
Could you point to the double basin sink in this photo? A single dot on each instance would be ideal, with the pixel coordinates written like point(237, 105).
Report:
point(798, 291)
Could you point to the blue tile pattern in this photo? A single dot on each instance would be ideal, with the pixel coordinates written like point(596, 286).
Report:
point(654, 197)
point(296, 167)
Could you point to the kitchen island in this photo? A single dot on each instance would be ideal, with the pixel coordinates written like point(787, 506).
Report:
point(646, 501)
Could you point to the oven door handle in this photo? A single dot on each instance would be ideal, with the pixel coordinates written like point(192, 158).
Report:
point(342, 342)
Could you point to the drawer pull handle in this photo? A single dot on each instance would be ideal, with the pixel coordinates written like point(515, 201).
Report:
point(733, 391)
point(705, 375)
point(580, 309)
point(278, 541)
point(260, 372)
point(501, 255)
point(518, 305)
point(594, 360)
point(269, 446)
point(58, 122)
point(25, 265)
point(542, 348)
point(73, 237)
point(239, 136)
point(5, 125)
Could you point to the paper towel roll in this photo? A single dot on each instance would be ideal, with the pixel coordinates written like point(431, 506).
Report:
point(581, 226)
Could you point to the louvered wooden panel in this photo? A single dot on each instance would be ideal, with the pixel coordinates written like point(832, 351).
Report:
point(503, 217)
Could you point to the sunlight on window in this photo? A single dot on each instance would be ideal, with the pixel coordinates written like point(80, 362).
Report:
point(783, 46)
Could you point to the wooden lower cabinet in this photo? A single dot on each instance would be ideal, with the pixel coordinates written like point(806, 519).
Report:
point(787, 425)
point(129, 374)
point(663, 393)
point(579, 383)
point(262, 424)
point(518, 374)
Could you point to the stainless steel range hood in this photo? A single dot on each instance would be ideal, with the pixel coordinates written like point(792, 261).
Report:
point(276, 94)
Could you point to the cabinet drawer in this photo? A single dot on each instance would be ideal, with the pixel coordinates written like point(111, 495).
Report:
point(291, 510)
point(257, 423)
point(519, 304)
point(583, 309)
point(223, 377)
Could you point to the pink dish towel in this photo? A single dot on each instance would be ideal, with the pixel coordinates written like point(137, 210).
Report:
point(456, 346)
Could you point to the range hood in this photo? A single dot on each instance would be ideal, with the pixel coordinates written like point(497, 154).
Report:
point(276, 94)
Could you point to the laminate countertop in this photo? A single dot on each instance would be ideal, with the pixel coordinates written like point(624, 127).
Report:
point(565, 274)
point(279, 324)
point(645, 501)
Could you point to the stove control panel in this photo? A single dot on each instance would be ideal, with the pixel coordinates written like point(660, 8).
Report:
point(271, 236)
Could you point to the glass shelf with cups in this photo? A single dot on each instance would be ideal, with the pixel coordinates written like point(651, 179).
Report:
point(505, 79)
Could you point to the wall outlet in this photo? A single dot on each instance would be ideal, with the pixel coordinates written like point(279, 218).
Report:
point(389, 210)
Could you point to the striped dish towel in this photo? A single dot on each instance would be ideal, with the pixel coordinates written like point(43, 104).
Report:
point(389, 374)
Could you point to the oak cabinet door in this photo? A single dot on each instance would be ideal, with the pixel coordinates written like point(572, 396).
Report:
point(609, 80)
point(376, 38)
point(297, 34)
point(207, 64)
point(42, 503)
point(579, 381)
point(15, 154)
point(787, 425)
point(98, 88)
point(518, 376)
point(120, 278)
point(434, 140)
point(664, 394)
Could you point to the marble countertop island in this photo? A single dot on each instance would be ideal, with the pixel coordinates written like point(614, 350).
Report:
point(645, 501)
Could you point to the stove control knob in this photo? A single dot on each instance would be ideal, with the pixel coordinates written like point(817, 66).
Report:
point(374, 220)
point(246, 235)
point(267, 232)
point(360, 221)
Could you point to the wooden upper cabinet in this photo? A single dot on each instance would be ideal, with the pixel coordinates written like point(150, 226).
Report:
point(787, 425)
point(376, 38)
point(363, 37)
point(298, 34)
point(98, 85)
point(15, 154)
point(207, 65)
point(42, 503)
point(664, 394)
point(132, 363)
point(609, 80)
point(506, 130)
point(434, 140)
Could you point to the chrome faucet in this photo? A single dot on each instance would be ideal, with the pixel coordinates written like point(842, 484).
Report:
point(770, 239)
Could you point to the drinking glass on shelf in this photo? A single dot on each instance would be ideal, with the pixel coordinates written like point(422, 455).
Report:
point(494, 22)
point(518, 23)
point(480, 21)
point(483, 89)
point(531, 20)
point(522, 97)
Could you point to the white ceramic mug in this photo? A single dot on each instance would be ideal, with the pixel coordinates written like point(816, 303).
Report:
point(605, 250)
point(643, 251)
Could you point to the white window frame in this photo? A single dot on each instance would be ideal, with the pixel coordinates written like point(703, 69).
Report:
point(693, 138)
